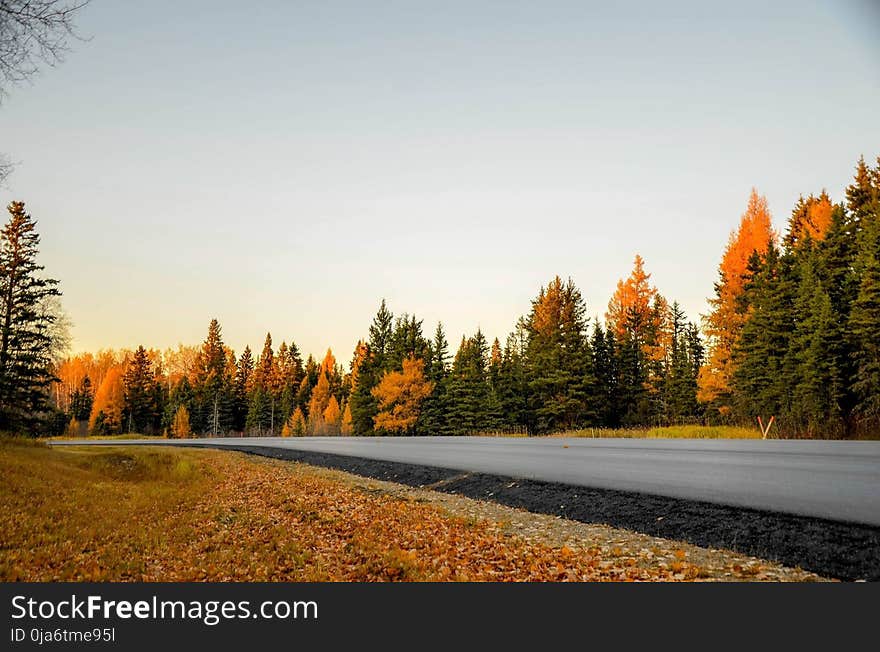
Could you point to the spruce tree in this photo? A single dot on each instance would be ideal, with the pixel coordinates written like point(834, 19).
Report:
point(759, 378)
point(512, 384)
point(241, 391)
point(81, 400)
point(864, 324)
point(816, 384)
point(213, 386)
point(559, 361)
point(606, 398)
point(140, 412)
point(180, 396)
point(25, 325)
point(680, 380)
point(433, 419)
point(364, 406)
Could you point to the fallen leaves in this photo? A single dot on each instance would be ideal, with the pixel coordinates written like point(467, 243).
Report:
point(201, 515)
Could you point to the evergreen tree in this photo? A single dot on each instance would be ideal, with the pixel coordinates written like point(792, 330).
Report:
point(406, 341)
point(606, 399)
point(512, 384)
point(81, 400)
point(181, 395)
point(259, 412)
point(864, 323)
point(433, 419)
point(559, 361)
point(759, 378)
point(140, 407)
point(25, 325)
point(364, 406)
point(682, 369)
point(816, 385)
point(471, 405)
point(213, 387)
point(633, 400)
point(244, 373)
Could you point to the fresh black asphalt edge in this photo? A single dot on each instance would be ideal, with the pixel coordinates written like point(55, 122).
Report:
point(844, 551)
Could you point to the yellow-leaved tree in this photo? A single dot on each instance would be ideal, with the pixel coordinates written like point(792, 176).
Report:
point(180, 428)
point(346, 427)
point(400, 395)
point(296, 424)
point(332, 417)
point(106, 416)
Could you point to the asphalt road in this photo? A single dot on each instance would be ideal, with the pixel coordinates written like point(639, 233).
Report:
point(836, 480)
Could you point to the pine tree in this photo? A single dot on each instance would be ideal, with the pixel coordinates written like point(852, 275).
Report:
point(258, 416)
point(81, 400)
point(26, 322)
point(471, 405)
point(512, 383)
point(759, 377)
point(364, 406)
point(406, 341)
point(864, 322)
point(816, 384)
point(140, 408)
point(213, 386)
point(634, 403)
point(181, 395)
point(559, 361)
point(606, 398)
point(682, 369)
point(244, 373)
point(266, 378)
point(433, 418)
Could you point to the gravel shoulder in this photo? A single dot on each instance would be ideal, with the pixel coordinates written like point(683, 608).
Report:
point(618, 547)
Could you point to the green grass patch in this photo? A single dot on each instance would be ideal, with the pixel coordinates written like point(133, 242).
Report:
point(669, 432)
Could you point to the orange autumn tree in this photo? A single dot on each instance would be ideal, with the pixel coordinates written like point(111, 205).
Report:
point(637, 310)
point(633, 295)
point(400, 395)
point(107, 407)
point(332, 417)
point(346, 427)
point(810, 218)
point(318, 403)
point(724, 323)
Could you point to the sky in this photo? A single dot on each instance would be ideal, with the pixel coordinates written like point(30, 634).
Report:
point(283, 166)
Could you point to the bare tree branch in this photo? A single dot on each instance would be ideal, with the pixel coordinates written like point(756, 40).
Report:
point(34, 31)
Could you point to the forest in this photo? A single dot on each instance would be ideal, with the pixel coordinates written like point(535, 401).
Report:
point(793, 332)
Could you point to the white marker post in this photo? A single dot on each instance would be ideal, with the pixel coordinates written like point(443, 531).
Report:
point(766, 430)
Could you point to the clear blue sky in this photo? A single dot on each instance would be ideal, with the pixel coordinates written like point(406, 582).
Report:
point(285, 165)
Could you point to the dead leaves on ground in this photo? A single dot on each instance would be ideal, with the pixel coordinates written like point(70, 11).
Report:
point(236, 518)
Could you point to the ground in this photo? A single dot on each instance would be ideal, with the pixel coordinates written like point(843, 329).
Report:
point(159, 514)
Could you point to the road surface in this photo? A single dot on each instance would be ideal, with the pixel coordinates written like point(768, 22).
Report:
point(837, 480)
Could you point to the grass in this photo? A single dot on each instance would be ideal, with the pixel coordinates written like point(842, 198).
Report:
point(665, 432)
point(176, 514)
point(101, 437)
point(670, 432)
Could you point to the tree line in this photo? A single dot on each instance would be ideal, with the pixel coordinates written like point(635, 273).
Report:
point(792, 332)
